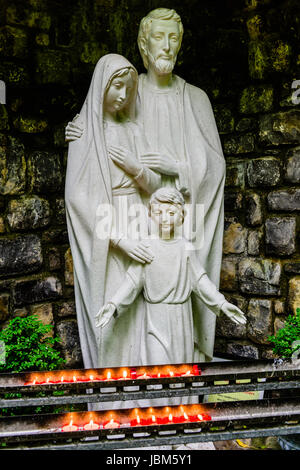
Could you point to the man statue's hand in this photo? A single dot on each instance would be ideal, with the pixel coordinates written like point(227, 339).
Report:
point(234, 313)
point(162, 163)
point(137, 250)
point(74, 129)
point(125, 159)
point(105, 314)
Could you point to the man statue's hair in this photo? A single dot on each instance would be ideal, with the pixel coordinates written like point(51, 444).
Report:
point(145, 26)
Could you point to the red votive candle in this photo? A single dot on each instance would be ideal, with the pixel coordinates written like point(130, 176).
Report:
point(111, 424)
point(153, 420)
point(196, 370)
point(193, 418)
point(136, 421)
point(109, 377)
point(55, 380)
point(70, 427)
point(91, 426)
point(206, 417)
point(146, 421)
point(93, 379)
point(124, 376)
point(186, 374)
point(133, 374)
point(66, 380)
point(163, 420)
point(144, 376)
point(179, 419)
point(34, 382)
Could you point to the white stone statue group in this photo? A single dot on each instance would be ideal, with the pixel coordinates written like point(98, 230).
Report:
point(144, 162)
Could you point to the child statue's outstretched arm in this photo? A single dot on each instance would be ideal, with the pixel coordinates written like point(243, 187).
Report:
point(209, 294)
point(124, 297)
point(216, 301)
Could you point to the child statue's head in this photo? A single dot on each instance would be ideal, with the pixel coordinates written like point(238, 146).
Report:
point(166, 209)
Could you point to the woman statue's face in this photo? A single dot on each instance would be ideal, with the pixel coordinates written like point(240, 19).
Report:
point(118, 94)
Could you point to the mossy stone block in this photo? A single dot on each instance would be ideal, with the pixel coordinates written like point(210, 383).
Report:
point(13, 42)
point(256, 99)
point(53, 66)
point(12, 166)
point(45, 173)
point(20, 255)
point(4, 124)
point(14, 74)
point(35, 17)
point(30, 125)
point(28, 213)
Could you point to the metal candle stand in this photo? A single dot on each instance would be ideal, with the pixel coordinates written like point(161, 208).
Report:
point(150, 426)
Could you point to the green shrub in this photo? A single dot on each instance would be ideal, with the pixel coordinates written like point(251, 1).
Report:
point(285, 337)
point(27, 346)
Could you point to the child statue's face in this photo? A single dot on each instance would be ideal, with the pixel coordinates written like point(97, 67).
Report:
point(118, 94)
point(166, 216)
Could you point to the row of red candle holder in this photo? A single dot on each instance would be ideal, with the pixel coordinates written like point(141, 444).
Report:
point(137, 421)
point(127, 375)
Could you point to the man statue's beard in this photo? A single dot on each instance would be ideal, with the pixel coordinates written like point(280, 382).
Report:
point(162, 66)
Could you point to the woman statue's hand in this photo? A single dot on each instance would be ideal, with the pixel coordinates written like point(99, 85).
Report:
point(74, 129)
point(125, 160)
point(105, 314)
point(162, 163)
point(137, 250)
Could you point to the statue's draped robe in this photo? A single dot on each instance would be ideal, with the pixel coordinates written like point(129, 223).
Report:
point(180, 120)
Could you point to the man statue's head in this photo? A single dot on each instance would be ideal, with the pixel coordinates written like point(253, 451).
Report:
point(159, 39)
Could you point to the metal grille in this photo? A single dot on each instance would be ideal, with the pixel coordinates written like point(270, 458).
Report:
point(219, 421)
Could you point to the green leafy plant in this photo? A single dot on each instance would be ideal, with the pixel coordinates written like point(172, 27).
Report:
point(28, 346)
point(286, 336)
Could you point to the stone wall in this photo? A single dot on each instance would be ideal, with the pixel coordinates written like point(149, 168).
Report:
point(245, 54)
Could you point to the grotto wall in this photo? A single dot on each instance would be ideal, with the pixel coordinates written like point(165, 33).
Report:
point(247, 56)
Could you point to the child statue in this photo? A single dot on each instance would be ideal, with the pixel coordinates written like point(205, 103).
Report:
point(167, 335)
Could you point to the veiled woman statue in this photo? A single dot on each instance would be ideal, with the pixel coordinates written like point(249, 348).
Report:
point(104, 174)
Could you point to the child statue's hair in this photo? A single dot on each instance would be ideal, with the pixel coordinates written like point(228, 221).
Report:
point(168, 195)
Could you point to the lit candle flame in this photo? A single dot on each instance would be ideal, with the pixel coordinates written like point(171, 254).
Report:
point(70, 427)
point(74, 378)
point(91, 377)
point(108, 375)
point(170, 417)
point(200, 417)
point(48, 380)
point(112, 424)
point(125, 374)
point(153, 419)
point(158, 375)
point(171, 373)
point(138, 419)
point(185, 415)
point(91, 426)
point(62, 379)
